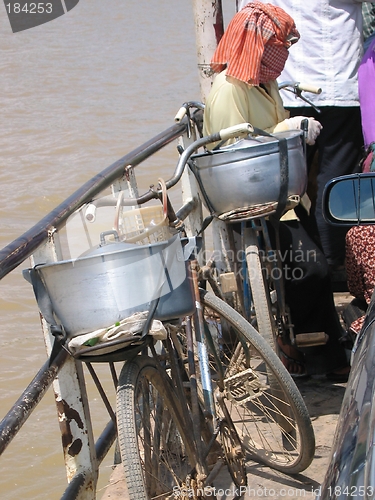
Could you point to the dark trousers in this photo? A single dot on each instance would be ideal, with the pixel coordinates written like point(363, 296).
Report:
point(309, 296)
point(308, 293)
point(339, 148)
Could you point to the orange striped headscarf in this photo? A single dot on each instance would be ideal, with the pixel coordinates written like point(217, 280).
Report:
point(254, 47)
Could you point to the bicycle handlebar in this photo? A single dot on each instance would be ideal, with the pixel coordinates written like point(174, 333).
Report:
point(180, 114)
point(295, 87)
point(305, 87)
point(241, 130)
point(298, 87)
point(183, 111)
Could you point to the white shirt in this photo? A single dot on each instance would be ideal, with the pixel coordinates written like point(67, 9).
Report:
point(329, 51)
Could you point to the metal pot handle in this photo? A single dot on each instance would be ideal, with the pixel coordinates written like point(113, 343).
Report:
point(108, 233)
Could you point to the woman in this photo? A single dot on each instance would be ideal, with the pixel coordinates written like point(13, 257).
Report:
point(249, 58)
point(360, 240)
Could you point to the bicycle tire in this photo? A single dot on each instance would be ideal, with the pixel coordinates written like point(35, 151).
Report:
point(156, 453)
point(271, 418)
point(259, 290)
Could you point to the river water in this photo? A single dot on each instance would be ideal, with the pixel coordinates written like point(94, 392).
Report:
point(77, 94)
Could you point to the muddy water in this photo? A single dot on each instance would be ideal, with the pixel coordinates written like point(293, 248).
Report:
point(77, 94)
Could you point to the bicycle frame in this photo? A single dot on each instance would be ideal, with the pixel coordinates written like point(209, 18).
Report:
point(195, 402)
point(238, 282)
point(197, 411)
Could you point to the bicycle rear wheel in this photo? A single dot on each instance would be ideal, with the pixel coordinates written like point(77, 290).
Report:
point(259, 394)
point(259, 289)
point(157, 456)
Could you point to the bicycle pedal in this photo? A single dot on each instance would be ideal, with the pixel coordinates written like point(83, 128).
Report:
point(273, 296)
point(311, 339)
point(243, 387)
point(213, 457)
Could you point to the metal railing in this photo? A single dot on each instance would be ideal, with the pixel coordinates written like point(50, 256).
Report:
point(16, 252)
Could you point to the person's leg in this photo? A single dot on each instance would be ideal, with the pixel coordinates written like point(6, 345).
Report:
point(340, 146)
point(310, 298)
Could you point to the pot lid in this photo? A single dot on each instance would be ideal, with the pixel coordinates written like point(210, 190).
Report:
point(109, 245)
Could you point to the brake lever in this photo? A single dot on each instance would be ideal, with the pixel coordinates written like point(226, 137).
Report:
point(304, 128)
point(298, 93)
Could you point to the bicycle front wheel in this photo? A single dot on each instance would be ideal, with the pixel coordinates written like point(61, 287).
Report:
point(157, 456)
point(255, 389)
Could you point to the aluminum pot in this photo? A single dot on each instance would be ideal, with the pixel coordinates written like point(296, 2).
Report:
point(247, 173)
point(115, 281)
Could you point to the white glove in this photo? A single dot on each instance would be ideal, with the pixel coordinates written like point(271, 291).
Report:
point(313, 130)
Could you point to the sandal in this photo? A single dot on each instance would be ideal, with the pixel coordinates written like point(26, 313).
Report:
point(291, 359)
point(339, 375)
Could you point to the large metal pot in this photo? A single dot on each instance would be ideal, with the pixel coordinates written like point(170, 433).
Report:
point(247, 173)
point(115, 281)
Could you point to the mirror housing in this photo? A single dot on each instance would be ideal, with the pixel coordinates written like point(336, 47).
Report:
point(349, 200)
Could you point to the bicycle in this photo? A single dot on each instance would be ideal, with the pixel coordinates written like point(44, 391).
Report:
point(250, 274)
point(207, 375)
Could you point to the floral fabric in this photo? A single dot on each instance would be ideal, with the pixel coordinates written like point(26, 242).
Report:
point(360, 265)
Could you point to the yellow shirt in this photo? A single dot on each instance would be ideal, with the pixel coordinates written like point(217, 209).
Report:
point(231, 102)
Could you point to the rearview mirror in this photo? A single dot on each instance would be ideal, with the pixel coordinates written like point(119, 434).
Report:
point(350, 200)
